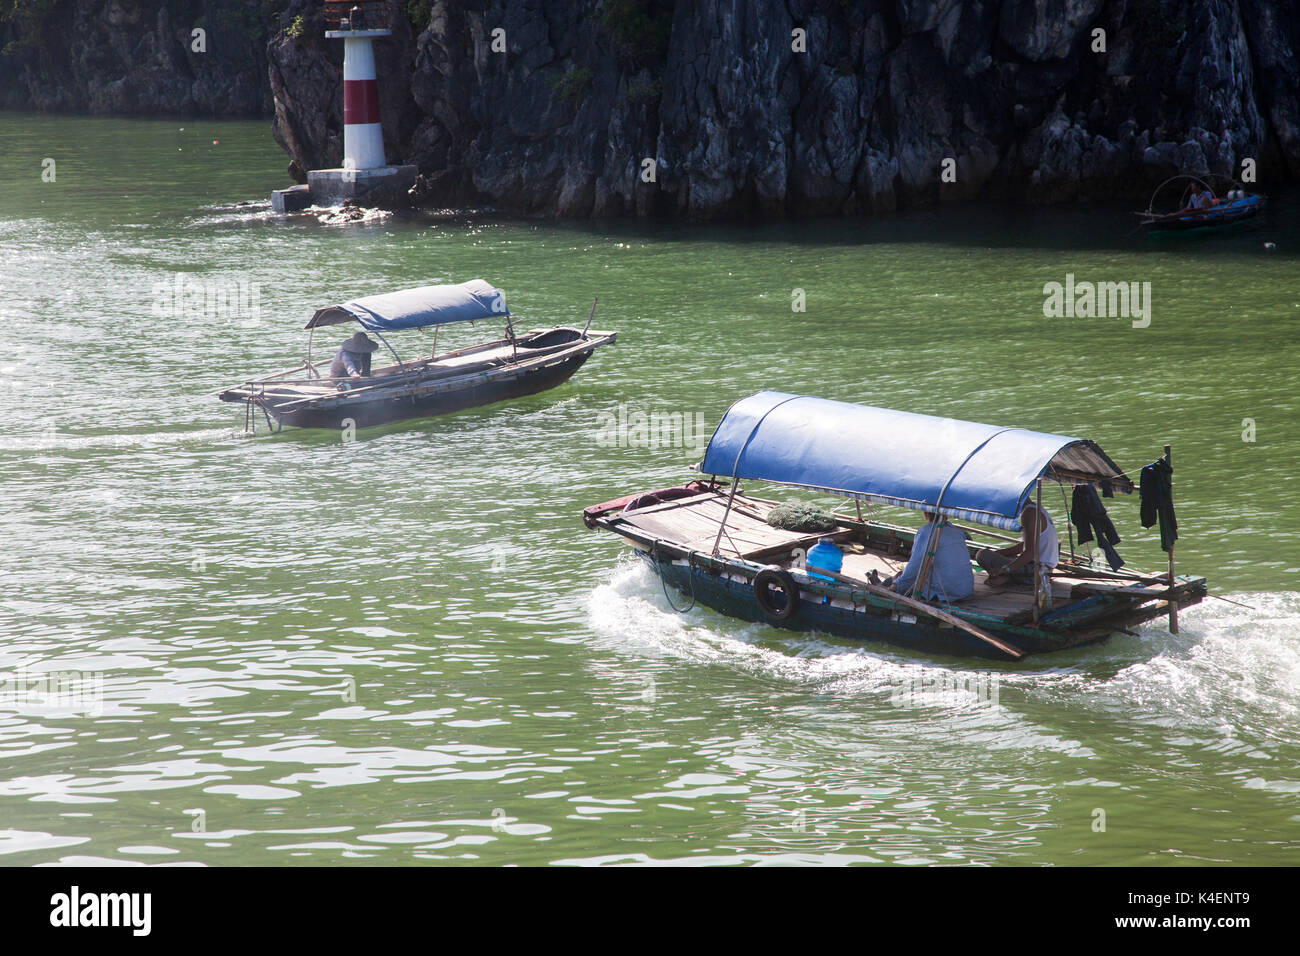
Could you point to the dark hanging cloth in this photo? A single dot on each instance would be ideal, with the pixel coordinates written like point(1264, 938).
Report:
point(1089, 515)
point(1156, 488)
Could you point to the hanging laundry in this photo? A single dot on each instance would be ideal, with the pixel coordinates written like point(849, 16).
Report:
point(1156, 489)
point(1089, 515)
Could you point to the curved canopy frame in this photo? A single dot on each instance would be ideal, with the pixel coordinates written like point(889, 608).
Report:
point(967, 470)
point(418, 308)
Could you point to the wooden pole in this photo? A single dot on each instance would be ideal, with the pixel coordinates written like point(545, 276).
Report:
point(1038, 531)
point(722, 525)
point(1173, 605)
point(1009, 650)
point(927, 560)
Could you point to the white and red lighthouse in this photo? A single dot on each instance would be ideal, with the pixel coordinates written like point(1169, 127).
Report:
point(363, 134)
point(365, 175)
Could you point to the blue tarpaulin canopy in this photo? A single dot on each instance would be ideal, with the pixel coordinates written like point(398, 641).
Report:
point(417, 308)
point(984, 473)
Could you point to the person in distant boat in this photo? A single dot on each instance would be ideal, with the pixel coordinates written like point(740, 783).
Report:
point(1202, 199)
point(353, 358)
point(951, 577)
point(1014, 563)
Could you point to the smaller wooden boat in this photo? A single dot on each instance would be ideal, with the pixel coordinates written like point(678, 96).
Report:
point(1231, 205)
point(308, 397)
point(712, 542)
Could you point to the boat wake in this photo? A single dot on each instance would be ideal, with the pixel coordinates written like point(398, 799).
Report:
point(632, 614)
point(225, 214)
point(54, 440)
point(1231, 670)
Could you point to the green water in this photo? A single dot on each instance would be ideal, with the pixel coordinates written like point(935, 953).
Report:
point(407, 649)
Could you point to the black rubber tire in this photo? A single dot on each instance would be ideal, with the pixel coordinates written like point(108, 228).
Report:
point(763, 582)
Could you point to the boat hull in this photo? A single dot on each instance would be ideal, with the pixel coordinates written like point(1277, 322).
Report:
point(736, 599)
point(466, 378)
point(382, 411)
point(733, 595)
point(1221, 217)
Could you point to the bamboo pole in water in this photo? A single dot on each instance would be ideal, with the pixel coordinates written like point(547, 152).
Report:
point(1173, 604)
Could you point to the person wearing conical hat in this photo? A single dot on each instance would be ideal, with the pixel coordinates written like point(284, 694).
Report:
point(353, 357)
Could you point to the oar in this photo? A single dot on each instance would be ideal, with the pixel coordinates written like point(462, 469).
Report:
point(590, 317)
point(1226, 601)
point(1009, 650)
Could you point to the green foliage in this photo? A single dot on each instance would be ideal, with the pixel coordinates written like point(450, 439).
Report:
point(642, 92)
point(640, 30)
point(28, 19)
point(418, 12)
point(294, 29)
point(25, 11)
point(569, 87)
point(806, 518)
point(239, 19)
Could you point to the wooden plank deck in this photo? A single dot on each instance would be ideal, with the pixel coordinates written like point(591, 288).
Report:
point(693, 523)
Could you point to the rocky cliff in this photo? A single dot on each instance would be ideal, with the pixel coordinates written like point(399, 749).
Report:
point(137, 57)
point(710, 108)
point(739, 112)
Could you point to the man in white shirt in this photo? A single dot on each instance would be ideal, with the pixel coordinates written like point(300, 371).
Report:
point(1014, 563)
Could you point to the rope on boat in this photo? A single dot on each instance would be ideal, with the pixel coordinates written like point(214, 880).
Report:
point(690, 574)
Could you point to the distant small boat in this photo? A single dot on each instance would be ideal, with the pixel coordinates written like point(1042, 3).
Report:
point(710, 541)
point(506, 368)
point(1232, 206)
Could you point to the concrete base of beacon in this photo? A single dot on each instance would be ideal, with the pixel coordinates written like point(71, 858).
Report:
point(385, 187)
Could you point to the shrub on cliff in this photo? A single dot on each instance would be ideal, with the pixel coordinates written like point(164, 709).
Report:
point(640, 30)
point(24, 20)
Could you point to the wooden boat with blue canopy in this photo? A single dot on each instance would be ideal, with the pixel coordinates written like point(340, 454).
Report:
point(308, 396)
point(715, 543)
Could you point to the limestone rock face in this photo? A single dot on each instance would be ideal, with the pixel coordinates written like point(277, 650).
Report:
point(816, 107)
point(720, 108)
point(125, 57)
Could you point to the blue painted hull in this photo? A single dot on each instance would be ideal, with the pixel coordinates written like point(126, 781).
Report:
point(863, 623)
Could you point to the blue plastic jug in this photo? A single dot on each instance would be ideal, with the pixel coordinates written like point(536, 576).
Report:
point(824, 554)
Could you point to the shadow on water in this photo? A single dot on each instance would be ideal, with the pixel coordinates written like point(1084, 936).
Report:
point(1094, 226)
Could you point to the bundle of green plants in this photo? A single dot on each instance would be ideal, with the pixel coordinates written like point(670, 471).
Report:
point(805, 518)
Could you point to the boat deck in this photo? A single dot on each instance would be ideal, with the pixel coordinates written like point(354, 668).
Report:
point(693, 523)
point(284, 387)
point(426, 368)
